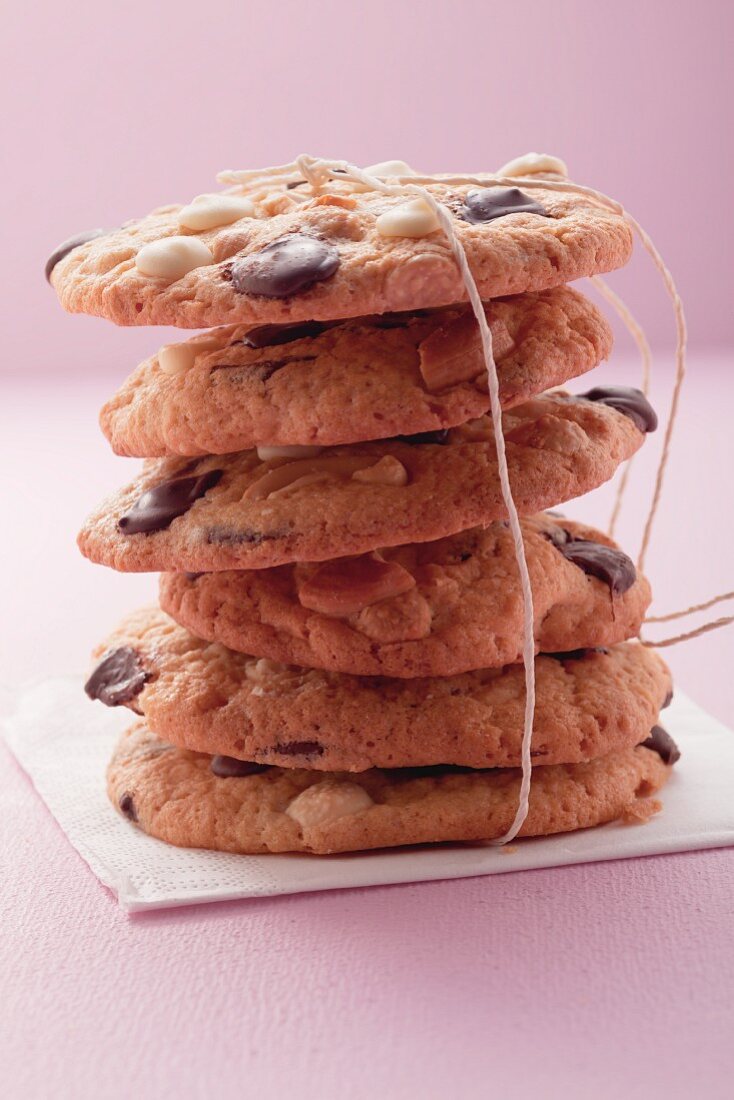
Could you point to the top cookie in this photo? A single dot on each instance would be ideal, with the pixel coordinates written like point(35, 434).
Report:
point(282, 254)
point(324, 384)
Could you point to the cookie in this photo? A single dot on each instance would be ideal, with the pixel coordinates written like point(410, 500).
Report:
point(428, 609)
point(323, 385)
point(174, 795)
point(239, 512)
point(293, 255)
point(205, 697)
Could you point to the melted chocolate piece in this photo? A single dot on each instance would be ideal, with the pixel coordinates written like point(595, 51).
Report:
point(66, 247)
point(578, 654)
point(667, 700)
point(596, 560)
point(228, 767)
point(298, 748)
point(627, 400)
point(428, 771)
point(127, 806)
point(118, 677)
point(663, 744)
point(225, 536)
point(438, 437)
point(268, 336)
point(285, 267)
point(497, 202)
point(158, 507)
point(234, 374)
point(609, 565)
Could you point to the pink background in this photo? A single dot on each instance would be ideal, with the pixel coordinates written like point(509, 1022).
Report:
point(116, 108)
point(612, 980)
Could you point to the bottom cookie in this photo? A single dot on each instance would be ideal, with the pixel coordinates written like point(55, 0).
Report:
point(175, 795)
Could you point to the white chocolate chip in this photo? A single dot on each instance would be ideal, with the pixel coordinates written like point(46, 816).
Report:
point(326, 802)
point(178, 358)
point(266, 453)
point(172, 257)
point(411, 219)
point(533, 164)
point(386, 168)
point(388, 471)
point(209, 211)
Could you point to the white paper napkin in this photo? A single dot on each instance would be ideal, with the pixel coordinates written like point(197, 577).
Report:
point(64, 742)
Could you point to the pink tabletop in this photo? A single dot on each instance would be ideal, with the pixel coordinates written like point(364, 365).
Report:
point(607, 981)
point(612, 980)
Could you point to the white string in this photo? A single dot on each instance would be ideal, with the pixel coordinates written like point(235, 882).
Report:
point(318, 172)
point(690, 610)
point(689, 634)
point(289, 172)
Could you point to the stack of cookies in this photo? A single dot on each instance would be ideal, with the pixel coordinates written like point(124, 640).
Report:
point(336, 662)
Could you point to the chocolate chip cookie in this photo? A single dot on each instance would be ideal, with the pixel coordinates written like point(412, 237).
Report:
point(277, 254)
point(176, 795)
point(239, 512)
point(427, 609)
point(322, 384)
point(205, 697)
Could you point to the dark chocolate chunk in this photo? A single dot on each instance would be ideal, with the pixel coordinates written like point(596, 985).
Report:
point(64, 249)
point(578, 654)
point(268, 336)
point(118, 677)
point(667, 700)
point(498, 202)
point(232, 374)
point(605, 562)
point(158, 507)
point(285, 267)
point(663, 744)
point(438, 437)
point(298, 748)
point(228, 767)
point(226, 536)
point(127, 806)
point(627, 400)
point(429, 771)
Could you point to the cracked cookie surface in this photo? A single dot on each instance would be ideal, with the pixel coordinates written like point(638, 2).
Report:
point(369, 378)
point(205, 697)
point(238, 512)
